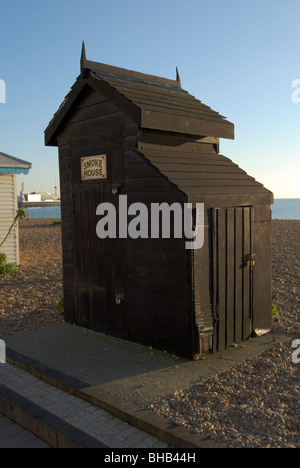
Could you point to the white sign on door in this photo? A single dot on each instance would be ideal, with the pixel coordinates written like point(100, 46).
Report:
point(94, 167)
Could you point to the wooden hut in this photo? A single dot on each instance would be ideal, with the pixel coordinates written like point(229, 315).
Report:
point(160, 145)
point(10, 167)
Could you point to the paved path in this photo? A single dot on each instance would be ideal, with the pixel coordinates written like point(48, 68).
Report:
point(129, 371)
point(14, 436)
point(66, 417)
point(69, 385)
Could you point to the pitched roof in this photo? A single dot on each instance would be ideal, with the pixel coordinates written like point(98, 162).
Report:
point(11, 165)
point(157, 103)
point(203, 173)
point(163, 103)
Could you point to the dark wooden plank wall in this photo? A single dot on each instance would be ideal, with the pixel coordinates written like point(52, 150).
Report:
point(95, 127)
point(202, 286)
point(166, 149)
point(242, 301)
point(151, 274)
point(67, 231)
point(158, 301)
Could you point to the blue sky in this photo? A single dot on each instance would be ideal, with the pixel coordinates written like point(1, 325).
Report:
point(238, 57)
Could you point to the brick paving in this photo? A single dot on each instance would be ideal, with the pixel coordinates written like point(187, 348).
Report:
point(66, 414)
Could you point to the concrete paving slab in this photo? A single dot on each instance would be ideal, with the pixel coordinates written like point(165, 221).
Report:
point(123, 378)
point(13, 435)
point(134, 373)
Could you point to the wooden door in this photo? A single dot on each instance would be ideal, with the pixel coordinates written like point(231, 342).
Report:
point(233, 266)
point(98, 263)
point(91, 259)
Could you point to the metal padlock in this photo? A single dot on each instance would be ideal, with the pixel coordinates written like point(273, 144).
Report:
point(249, 259)
point(119, 299)
point(116, 189)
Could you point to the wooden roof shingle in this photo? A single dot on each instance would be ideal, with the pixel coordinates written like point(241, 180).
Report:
point(202, 174)
point(156, 103)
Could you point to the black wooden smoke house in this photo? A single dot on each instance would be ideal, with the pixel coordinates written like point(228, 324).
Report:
point(156, 143)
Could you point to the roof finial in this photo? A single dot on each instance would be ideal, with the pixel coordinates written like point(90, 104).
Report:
point(83, 58)
point(178, 77)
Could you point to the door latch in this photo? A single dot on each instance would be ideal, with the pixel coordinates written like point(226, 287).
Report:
point(250, 259)
point(119, 299)
point(116, 189)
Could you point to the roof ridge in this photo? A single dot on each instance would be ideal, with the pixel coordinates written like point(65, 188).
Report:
point(101, 67)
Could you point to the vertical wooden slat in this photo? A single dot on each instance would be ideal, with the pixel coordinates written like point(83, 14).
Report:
point(118, 252)
point(101, 319)
point(238, 274)
point(215, 276)
point(246, 276)
point(222, 278)
point(93, 263)
point(85, 226)
point(252, 268)
point(230, 273)
point(77, 237)
point(98, 316)
point(100, 243)
point(83, 307)
point(95, 306)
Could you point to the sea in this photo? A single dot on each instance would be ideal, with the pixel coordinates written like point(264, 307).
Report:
point(286, 208)
point(283, 208)
point(44, 212)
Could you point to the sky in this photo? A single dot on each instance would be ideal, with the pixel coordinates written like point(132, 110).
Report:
point(241, 58)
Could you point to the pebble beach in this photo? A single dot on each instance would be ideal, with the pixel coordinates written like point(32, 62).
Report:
point(29, 298)
point(255, 404)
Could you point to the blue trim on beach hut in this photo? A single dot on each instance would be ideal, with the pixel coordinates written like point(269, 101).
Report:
point(9, 170)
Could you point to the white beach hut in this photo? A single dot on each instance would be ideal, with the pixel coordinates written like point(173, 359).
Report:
point(9, 168)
